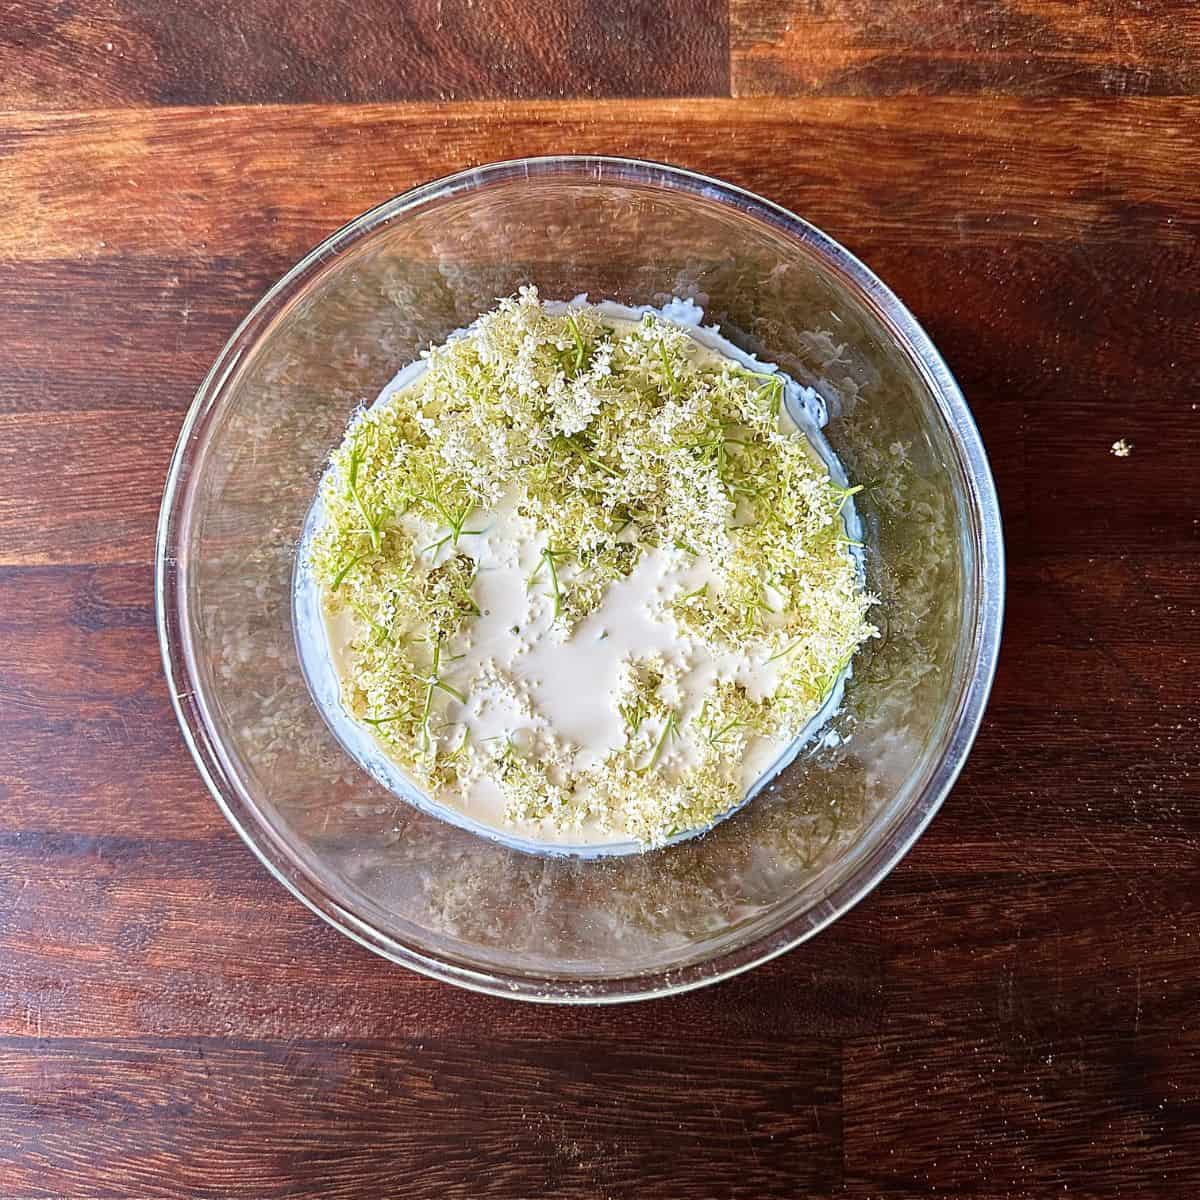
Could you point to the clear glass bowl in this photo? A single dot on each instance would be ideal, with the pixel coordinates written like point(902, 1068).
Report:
point(437, 898)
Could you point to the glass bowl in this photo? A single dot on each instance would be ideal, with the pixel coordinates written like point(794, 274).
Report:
point(438, 898)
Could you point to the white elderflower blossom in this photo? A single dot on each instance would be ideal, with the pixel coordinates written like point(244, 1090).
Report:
point(612, 443)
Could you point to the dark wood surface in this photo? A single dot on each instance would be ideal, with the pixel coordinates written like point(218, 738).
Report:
point(1014, 1012)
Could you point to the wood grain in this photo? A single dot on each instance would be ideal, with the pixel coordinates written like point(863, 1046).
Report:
point(355, 1119)
point(1007, 172)
point(175, 938)
point(1011, 1013)
point(101, 54)
point(90, 743)
point(105, 472)
point(1095, 325)
point(1008, 47)
point(166, 320)
point(1125, 975)
point(1096, 317)
point(1094, 1114)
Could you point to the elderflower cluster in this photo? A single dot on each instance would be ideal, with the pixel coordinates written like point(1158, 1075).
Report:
point(615, 441)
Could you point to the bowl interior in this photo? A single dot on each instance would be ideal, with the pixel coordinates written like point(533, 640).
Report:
point(440, 898)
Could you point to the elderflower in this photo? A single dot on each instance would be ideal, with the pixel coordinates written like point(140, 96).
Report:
point(613, 440)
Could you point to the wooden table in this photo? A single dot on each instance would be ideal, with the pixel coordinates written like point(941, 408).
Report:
point(1014, 1012)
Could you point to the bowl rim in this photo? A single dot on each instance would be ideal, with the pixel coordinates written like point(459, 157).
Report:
point(878, 860)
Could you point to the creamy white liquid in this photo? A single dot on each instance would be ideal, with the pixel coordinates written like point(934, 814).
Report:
point(521, 677)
